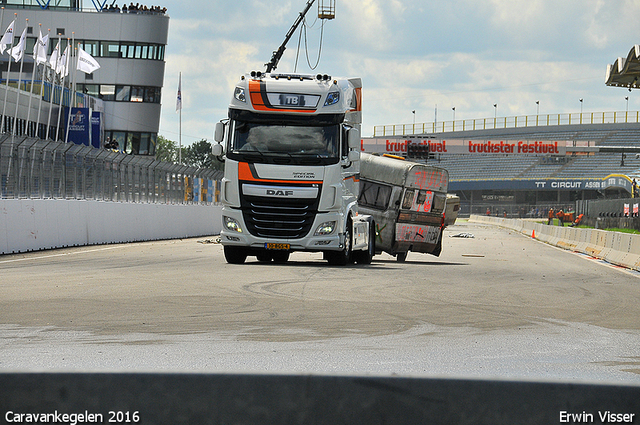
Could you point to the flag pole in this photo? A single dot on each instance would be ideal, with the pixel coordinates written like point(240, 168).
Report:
point(15, 117)
point(73, 93)
point(180, 128)
point(44, 68)
point(65, 65)
point(73, 86)
point(53, 84)
point(4, 108)
point(5, 99)
point(33, 76)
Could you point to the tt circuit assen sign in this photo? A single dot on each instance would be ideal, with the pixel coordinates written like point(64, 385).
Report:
point(461, 146)
point(614, 181)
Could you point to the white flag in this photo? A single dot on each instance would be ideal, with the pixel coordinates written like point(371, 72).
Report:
point(18, 50)
point(40, 49)
point(63, 63)
point(7, 38)
point(86, 62)
point(179, 98)
point(55, 55)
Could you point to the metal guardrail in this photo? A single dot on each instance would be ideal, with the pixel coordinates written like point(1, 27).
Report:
point(508, 122)
point(32, 168)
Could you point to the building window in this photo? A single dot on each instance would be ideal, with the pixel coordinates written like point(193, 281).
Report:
point(113, 93)
point(133, 142)
point(152, 94)
point(109, 49)
point(126, 50)
point(91, 47)
point(91, 90)
point(108, 92)
point(115, 49)
point(123, 93)
point(137, 94)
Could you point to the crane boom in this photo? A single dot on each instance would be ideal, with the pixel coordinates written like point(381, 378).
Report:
point(277, 55)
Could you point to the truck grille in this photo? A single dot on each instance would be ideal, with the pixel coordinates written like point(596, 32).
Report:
point(279, 218)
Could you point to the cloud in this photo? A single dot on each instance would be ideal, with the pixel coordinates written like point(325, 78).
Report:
point(411, 55)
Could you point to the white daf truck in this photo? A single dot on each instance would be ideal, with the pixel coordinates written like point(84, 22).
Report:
point(291, 147)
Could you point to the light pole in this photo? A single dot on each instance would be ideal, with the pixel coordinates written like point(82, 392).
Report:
point(627, 99)
point(414, 121)
point(454, 118)
point(537, 107)
point(495, 115)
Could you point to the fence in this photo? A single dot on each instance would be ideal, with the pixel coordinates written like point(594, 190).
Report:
point(39, 169)
point(508, 122)
point(505, 210)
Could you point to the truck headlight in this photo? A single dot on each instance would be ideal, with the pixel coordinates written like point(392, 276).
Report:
point(232, 224)
point(239, 95)
point(326, 228)
point(332, 98)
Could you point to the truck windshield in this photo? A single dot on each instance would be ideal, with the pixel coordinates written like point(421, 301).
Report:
point(291, 140)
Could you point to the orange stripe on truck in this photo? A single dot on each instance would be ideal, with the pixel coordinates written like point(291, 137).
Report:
point(248, 174)
point(260, 101)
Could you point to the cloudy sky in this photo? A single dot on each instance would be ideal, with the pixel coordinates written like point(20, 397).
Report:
point(411, 54)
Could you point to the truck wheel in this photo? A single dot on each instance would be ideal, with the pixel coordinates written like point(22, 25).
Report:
point(280, 256)
point(401, 257)
point(365, 257)
point(264, 256)
point(342, 258)
point(235, 254)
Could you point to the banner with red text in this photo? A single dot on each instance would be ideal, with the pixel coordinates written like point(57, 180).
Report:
point(466, 146)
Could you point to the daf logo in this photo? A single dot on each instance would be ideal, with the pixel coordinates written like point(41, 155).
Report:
point(273, 192)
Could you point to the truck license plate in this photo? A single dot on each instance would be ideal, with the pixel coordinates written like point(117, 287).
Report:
point(278, 246)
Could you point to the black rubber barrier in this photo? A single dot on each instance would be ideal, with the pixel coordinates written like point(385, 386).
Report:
point(265, 399)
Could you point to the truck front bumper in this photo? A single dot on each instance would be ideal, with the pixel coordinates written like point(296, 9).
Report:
point(235, 234)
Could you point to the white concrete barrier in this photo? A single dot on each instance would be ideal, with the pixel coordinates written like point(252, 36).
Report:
point(617, 248)
point(37, 224)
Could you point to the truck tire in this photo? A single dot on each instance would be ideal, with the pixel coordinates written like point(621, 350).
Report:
point(264, 256)
point(235, 254)
point(365, 257)
point(280, 256)
point(342, 258)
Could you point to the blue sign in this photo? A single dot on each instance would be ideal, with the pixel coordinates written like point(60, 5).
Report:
point(79, 126)
point(96, 129)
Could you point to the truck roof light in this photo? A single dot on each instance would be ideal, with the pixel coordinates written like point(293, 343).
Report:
point(256, 74)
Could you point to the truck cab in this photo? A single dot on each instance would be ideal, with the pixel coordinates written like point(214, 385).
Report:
point(292, 162)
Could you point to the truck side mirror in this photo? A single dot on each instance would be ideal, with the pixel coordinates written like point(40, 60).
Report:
point(217, 149)
point(353, 136)
point(218, 134)
point(354, 156)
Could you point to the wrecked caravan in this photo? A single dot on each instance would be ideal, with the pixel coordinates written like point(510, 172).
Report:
point(408, 201)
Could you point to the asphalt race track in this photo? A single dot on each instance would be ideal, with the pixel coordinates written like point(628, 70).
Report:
point(498, 304)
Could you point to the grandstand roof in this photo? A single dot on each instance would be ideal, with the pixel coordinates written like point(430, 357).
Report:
point(625, 72)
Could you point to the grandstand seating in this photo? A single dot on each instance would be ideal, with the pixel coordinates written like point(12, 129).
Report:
point(579, 166)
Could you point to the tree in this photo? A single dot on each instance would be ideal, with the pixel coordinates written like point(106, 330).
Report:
point(166, 150)
point(199, 155)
